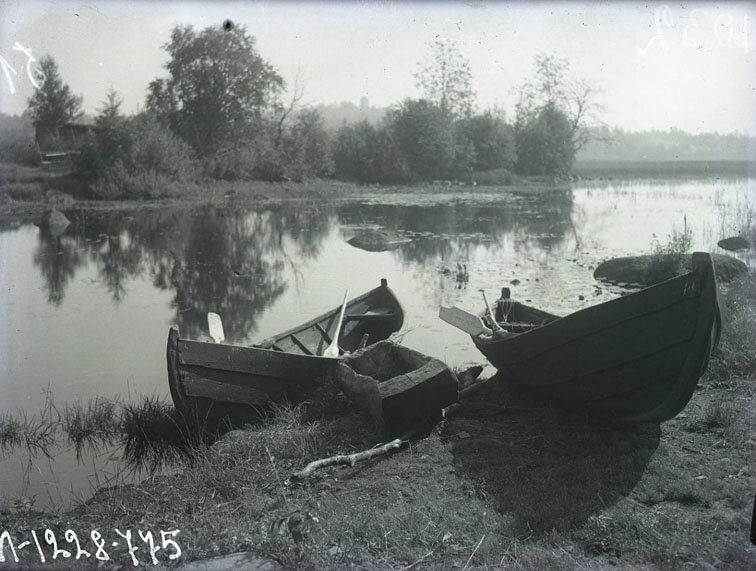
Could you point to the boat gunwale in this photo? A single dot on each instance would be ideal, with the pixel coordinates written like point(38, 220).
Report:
point(268, 342)
point(566, 341)
point(491, 344)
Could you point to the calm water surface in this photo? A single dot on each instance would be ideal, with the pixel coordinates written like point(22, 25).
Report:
point(87, 312)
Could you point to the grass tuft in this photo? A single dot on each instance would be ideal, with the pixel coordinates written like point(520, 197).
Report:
point(92, 425)
point(685, 495)
point(36, 433)
point(156, 435)
point(678, 241)
point(11, 431)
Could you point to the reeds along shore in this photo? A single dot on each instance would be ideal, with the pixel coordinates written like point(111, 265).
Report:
point(150, 432)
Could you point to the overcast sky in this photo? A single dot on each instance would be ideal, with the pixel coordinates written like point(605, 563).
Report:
point(690, 66)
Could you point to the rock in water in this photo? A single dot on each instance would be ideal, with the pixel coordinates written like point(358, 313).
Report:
point(652, 269)
point(54, 222)
point(733, 244)
point(378, 240)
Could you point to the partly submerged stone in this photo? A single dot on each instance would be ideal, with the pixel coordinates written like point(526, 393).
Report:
point(652, 269)
point(53, 222)
point(734, 243)
point(378, 240)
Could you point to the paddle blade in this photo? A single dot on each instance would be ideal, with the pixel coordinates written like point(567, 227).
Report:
point(463, 320)
point(333, 349)
point(215, 326)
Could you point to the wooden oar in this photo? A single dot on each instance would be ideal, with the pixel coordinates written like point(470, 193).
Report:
point(333, 349)
point(215, 325)
point(494, 323)
point(463, 320)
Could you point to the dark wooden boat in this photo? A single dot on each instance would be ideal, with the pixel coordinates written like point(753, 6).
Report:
point(218, 381)
point(637, 358)
point(396, 385)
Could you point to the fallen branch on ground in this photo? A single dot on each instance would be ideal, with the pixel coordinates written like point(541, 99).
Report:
point(350, 459)
point(378, 450)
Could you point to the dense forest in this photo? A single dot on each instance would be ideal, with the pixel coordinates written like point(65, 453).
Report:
point(222, 112)
point(615, 144)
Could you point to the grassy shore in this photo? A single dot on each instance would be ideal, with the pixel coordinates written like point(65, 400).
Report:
point(510, 482)
point(29, 191)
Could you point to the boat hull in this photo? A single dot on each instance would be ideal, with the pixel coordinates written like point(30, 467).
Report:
point(637, 358)
point(211, 381)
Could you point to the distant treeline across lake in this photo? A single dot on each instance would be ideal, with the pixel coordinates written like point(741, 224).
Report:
point(634, 169)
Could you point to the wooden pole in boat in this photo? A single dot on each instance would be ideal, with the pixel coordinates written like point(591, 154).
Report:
point(333, 349)
point(494, 324)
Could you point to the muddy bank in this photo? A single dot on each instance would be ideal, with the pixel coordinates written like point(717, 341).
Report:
point(651, 269)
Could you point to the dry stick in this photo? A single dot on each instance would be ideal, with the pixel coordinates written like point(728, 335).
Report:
point(418, 561)
point(352, 459)
point(275, 471)
point(473, 553)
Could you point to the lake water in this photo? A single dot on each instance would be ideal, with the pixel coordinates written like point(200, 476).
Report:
point(87, 313)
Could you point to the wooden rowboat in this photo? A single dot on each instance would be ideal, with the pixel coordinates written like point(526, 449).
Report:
point(637, 358)
point(217, 381)
point(396, 385)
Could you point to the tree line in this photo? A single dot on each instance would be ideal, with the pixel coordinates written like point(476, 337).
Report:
point(223, 112)
point(670, 145)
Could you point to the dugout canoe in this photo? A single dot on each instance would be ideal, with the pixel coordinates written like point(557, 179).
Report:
point(217, 381)
point(637, 358)
point(396, 385)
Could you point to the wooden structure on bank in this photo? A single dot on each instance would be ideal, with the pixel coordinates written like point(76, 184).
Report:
point(58, 144)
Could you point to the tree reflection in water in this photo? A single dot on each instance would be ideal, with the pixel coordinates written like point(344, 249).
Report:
point(445, 235)
point(237, 263)
point(212, 258)
point(58, 259)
